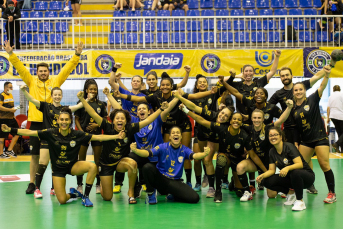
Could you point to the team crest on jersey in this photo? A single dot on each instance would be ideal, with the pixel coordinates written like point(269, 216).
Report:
point(150, 127)
point(72, 143)
point(209, 101)
point(285, 161)
point(180, 159)
point(255, 88)
point(262, 137)
point(98, 110)
point(266, 116)
point(51, 111)
point(237, 145)
point(126, 140)
point(306, 107)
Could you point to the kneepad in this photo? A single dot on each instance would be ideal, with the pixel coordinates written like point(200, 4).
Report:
point(221, 161)
point(41, 169)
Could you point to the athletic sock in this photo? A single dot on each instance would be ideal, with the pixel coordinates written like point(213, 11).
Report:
point(79, 179)
point(52, 183)
point(198, 179)
point(225, 180)
point(87, 189)
point(39, 175)
point(97, 179)
point(219, 176)
point(211, 180)
point(252, 178)
point(330, 180)
point(188, 175)
point(204, 167)
point(244, 181)
point(72, 196)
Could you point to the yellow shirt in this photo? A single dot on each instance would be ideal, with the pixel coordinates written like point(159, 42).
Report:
point(42, 90)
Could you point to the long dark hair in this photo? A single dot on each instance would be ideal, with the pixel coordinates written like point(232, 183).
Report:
point(85, 88)
point(125, 112)
point(195, 89)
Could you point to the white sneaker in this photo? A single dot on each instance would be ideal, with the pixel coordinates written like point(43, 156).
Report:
point(290, 199)
point(246, 196)
point(299, 205)
point(98, 189)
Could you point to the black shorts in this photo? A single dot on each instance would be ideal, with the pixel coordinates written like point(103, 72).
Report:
point(292, 135)
point(10, 123)
point(322, 142)
point(34, 141)
point(44, 144)
point(195, 135)
point(63, 172)
point(105, 170)
point(179, 6)
point(76, 2)
point(204, 137)
point(185, 127)
point(234, 163)
point(93, 143)
point(265, 163)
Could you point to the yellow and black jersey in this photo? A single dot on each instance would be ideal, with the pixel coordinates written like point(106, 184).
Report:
point(7, 101)
point(205, 134)
point(50, 114)
point(308, 120)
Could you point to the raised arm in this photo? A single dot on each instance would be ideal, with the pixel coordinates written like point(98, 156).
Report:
point(153, 116)
point(285, 114)
point(76, 107)
point(172, 104)
point(111, 100)
point(196, 117)
point(231, 89)
point(322, 86)
point(15, 131)
point(185, 79)
point(201, 155)
point(200, 95)
point(29, 97)
point(105, 137)
point(188, 103)
point(133, 98)
point(319, 75)
point(275, 64)
point(97, 118)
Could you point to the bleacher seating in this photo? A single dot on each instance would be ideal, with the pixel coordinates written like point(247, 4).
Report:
point(248, 4)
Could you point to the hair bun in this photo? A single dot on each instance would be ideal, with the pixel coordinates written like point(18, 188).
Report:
point(165, 75)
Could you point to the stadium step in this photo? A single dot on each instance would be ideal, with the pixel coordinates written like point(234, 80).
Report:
point(90, 28)
point(96, 7)
point(94, 40)
point(96, 15)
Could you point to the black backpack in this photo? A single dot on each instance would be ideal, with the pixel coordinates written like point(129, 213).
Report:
point(291, 35)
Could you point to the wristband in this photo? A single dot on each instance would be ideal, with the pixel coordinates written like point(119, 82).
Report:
point(77, 54)
point(128, 98)
point(161, 109)
point(114, 69)
point(14, 131)
point(184, 109)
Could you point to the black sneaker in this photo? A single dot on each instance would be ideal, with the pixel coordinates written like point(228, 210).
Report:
point(260, 187)
point(218, 196)
point(312, 190)
point(11, 153)
point(31, 188)
point(4, 156)
point(138, 190)
point(336, 147)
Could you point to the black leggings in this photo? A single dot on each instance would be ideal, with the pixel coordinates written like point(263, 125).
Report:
point(297, 179)
point(181, 191)
point(141, 161)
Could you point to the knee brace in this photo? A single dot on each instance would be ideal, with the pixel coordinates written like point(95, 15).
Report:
point(221, 161)
point(41, 169)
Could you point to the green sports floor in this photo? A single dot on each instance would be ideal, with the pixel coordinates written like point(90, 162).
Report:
point(18, 210)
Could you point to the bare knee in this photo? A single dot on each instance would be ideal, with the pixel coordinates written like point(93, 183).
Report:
point(107, 197)
point(208, 161)
point(240, 169)
point(271, 193)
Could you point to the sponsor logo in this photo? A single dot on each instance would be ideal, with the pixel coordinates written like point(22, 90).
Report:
point(264, 58)
point(316, 60)
point(4, 65)
point(210, 63)
point(104, 64)
point(149, 61)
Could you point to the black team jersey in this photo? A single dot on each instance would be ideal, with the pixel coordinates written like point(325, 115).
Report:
point(113, 151)
point(308, 120)
point(50, 114)
point(260, 141)
point(149, 92)
point(271, 111)
point(233, 146)
point(247, 90)
point(86, 119)
point(289, 152)
point(281, 96)
point(205, 134)
point(176, 116)
point(64, 150)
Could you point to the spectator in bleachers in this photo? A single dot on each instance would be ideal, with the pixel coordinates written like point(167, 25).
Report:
point(121, 4)
point(75, 5)
point(12, 13)
point(135, 4)
point(339, 10)
point(323, 11)
point(160, 4)
point(3, 5)
point(178, 5)
point(20, 4)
